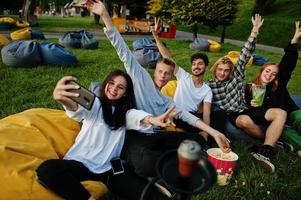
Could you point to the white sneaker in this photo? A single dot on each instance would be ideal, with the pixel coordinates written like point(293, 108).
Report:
point(264, 162)
point(299, 153)
point(161, 188)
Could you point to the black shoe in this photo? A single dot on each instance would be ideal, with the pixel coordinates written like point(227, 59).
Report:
point(264, 162)
point(263, 158)
point(285, 145)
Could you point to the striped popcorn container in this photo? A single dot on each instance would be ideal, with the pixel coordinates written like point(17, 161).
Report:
point(224, 164)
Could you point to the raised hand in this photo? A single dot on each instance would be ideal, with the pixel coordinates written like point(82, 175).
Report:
point(97, 7)
point(297, 34)
point(61, 94)
point(156, 28)
point(257, 22)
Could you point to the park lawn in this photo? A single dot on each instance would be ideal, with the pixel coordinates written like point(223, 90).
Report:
point(25, 88)
point(277, 30)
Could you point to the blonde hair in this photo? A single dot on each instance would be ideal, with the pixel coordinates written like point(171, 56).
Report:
point(222, 60)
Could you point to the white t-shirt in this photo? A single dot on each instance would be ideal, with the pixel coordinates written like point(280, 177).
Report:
point(96, 144)
point(187, 96)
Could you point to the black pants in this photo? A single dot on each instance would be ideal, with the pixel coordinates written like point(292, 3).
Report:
point(142, 151)
point(64, 176)
point(187, 127)
point(218, 119)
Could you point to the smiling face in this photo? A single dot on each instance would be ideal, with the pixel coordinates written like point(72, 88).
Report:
point(162, 74)
point(116, 88)
point(268, 74)
point(198, 67)
point(222, 72)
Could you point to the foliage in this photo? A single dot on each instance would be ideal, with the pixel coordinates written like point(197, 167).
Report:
point(262, 5)
point(194, 12)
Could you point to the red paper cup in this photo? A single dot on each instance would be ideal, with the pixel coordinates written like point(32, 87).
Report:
point(224, 164)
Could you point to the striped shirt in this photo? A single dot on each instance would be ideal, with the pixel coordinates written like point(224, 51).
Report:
point(229, 95)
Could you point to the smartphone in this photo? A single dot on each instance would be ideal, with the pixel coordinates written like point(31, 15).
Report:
point(117, 166)
point(86, 97)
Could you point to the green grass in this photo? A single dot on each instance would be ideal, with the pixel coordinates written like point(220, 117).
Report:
point(23, 89)
point(278, 25)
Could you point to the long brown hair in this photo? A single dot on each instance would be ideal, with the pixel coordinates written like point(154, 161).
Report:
point(257, 79)
point(126, 102)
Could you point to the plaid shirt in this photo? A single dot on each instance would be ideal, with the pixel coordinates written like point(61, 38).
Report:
point(229, 95)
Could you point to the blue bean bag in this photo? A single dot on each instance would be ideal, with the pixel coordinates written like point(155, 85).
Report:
point(71, 39)
point(147, 56)
point(21, 53)
point(37, 35)
point(55, 54)
point(146, 52)
point(259, 60)
point(140, 43)
point(199, 44)
point(87, 41)
point(79, 39)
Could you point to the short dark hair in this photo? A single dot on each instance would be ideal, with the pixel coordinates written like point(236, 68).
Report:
point(125, 103)
point(202, 56)
point(167, 61)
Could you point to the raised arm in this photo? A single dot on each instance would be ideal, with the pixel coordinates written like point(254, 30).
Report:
point(249, 47)
point(99, 8)
point(289, 59)
point(162, 49)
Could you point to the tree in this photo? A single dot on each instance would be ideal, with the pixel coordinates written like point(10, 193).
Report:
point(211, 13)
point(28, 9)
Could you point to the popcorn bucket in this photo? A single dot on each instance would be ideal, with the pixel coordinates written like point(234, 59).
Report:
point(224, 164)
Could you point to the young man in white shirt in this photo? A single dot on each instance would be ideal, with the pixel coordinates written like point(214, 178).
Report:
point(192, 93)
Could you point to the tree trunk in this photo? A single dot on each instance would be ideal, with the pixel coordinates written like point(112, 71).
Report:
point(223, 34)
point(96, 19)
point(195, 31)
point(27, 9)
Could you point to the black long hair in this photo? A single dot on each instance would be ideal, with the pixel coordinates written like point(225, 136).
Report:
point(117, 119)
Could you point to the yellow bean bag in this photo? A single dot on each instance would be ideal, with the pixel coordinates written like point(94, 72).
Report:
point(26, 140)
point(3, 40)
point(233, 55)
point(22, 34)
point(22, 24)
point(214, 46)
point(7, 20)
point(169, 89)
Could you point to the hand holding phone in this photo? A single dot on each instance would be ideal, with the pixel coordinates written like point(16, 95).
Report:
point(86, 97)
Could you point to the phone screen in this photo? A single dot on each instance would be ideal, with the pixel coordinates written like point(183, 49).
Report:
point(117, 166)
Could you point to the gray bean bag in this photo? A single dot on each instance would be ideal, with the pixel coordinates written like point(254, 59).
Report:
point(55, 54)
point(146, 52)
point(71, 39)
point(21, 53)
point(199, 44)
point(87, 41)
point(78, 39)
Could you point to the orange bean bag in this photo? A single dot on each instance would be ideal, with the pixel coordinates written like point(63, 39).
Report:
point(22, 24)
point(26, 140)
point(3, 40)
point(22, 34)
point(214, 46)
point(233, 55)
